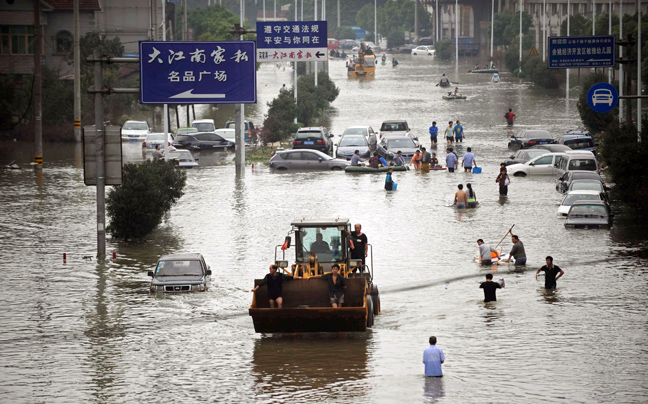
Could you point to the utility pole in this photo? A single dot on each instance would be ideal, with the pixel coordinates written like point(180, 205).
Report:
point(375, 22)
point(456, 10)
point(101, 168)
point(295, 65)
point(639, 45)
point(620, 65)
point(38, 89)
point(239, 111)
point(567, 70)
point(492, 26)
point(338, 14)
point(544, 29)
point(436, 11)
point(77, 75)
point(166, 106)
point(521, 7)
point(416, 21)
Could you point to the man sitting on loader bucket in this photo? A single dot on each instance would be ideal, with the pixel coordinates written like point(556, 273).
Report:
point(274, 281)
point(336, 285)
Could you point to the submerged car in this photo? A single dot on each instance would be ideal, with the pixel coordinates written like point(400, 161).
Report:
point(574, 196)
point(154, 139)
point(589, 215)
point(306, 160)
point(423, 50)
point(177, 273)
point(202, 141)
point(522, 156)
point(134, 131)
point(578, 140)
point(183, 158)
point(542, 165)
point(204, 125)
point(391, 145)
point(564, 182)
point(396, 127)
point(315, 138)
point(349, 144)
point(529, 138)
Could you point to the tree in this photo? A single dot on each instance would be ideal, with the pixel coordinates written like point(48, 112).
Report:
point(148, 192)
point(579, 25)
point(506, 28)
point(212, 23)
point(534, 68)
point(444, 49)
point(394, 18)
point(344, 33)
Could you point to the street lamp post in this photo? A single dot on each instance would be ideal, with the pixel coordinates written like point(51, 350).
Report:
point(567, 70)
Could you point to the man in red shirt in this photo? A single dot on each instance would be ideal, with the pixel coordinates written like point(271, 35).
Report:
point(510, 117)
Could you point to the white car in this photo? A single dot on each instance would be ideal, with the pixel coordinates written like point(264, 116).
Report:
point(184, 158)
point(541, 165)
point(366, 131)
point(423, 50)
point(135, 131)
point(155, 139)
point(602, 96)
point(204, 125)
point(573, 196)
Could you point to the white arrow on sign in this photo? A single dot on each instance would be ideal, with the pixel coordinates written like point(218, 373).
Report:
point(189, 94)
point(599, 60)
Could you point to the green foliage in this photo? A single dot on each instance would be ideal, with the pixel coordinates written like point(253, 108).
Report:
point(444, 49)
point(537, 71)
point(579, 25)
point(595, 121)
point(148, 192)
point(15, 103)
point(212, 23)
point(506, 29)
point(312, 101)
point(58, 98)
point(625, 156)
point(344, 33)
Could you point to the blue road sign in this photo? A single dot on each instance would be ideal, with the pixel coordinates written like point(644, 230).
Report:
point(197, 72)
point(571, 52)
point(292, 41)
point(602, 97)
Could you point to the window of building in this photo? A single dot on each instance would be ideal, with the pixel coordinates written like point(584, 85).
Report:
point(17, 40)
point(63, 42)
point(554, 8)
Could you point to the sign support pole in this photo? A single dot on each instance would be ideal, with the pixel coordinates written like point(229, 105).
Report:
point(166, 106)
point(239, 114)
point(99, 144)
point(492, 22)
point(620, 65)
point(567, 71)
point(521, 6)
point(544, 29)
point(315, 15)
point(77, 75)
point(610, 33)
point(639, 45)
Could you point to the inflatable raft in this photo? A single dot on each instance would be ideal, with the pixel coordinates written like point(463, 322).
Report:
point(484, 71)
point(455, 97)
point(494, 259)
point(359, 169)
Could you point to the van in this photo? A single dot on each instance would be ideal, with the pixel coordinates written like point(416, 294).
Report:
point(249, 129)
point(204, 125)
point(577, 160)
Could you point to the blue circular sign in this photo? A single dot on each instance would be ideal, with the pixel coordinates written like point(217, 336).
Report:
point(602, 97)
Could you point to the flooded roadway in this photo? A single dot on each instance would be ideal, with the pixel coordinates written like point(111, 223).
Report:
point(90, 332)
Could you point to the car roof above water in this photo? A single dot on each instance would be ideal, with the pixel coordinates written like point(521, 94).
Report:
point(182, 257)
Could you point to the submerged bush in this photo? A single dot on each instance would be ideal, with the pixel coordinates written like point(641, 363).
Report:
point(148, 191)
point(595, 121)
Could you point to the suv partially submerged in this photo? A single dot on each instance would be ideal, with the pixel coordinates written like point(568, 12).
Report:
point(177, 273)
point(395, 127)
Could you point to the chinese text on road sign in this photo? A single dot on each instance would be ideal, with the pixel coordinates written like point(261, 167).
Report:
point(197, 72)
point(567, 52)
point(291, 41)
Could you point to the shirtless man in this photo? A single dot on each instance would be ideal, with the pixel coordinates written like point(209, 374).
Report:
point(461, 198)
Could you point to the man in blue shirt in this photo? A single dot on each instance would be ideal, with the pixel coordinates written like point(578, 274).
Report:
point(434, 130)
point(459, 132)
point(451, 160)
point(433, 357)
point(356, 161)
point(468, 161)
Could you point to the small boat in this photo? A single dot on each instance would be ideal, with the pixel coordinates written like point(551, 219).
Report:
point(360, 169)
point(483, 71)
point(454, 97)
point(494, 260)
point(444, 82)
point(438, 168)
point(383, 63)
point(11, 166)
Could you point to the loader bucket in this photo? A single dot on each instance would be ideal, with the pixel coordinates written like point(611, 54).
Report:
point(307, 308)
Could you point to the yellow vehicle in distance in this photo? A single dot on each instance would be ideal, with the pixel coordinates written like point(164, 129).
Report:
point(364, 65)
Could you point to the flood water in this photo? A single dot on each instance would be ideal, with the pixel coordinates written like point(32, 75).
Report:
point(88, 331)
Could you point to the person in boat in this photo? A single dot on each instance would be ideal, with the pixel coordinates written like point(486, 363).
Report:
point(434, 162)
point(343, 54)
point(416, 160)
point(274, 281)
point(486, 253)
point(374, 161)
point(517, 251)
point(356, 161)
point(476, 67)
point(456, 91)
point(384, 58)
point(336, 285)
point(389, 182)
point(444, 82)
point(394, 62)
point(460, 198)
point(320, 246)
point(471, 201)
point(332, 52)
point(399, 160)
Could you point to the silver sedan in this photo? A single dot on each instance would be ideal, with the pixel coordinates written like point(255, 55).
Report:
point(306, 160)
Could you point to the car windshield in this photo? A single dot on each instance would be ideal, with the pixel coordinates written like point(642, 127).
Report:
point(570, 199)
point(325, 242)
point(135, 126)
point(178, 268)
point(156, 137)
point(585, 176)
point(187, 130)
point(579, 143)
point(400, 144)
point(587, 211)
point(393, 126)
point(588, 164)
point(204, 127)
point(308, 135)
point(355, 131)
point(586, 186)
point(350, 141)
